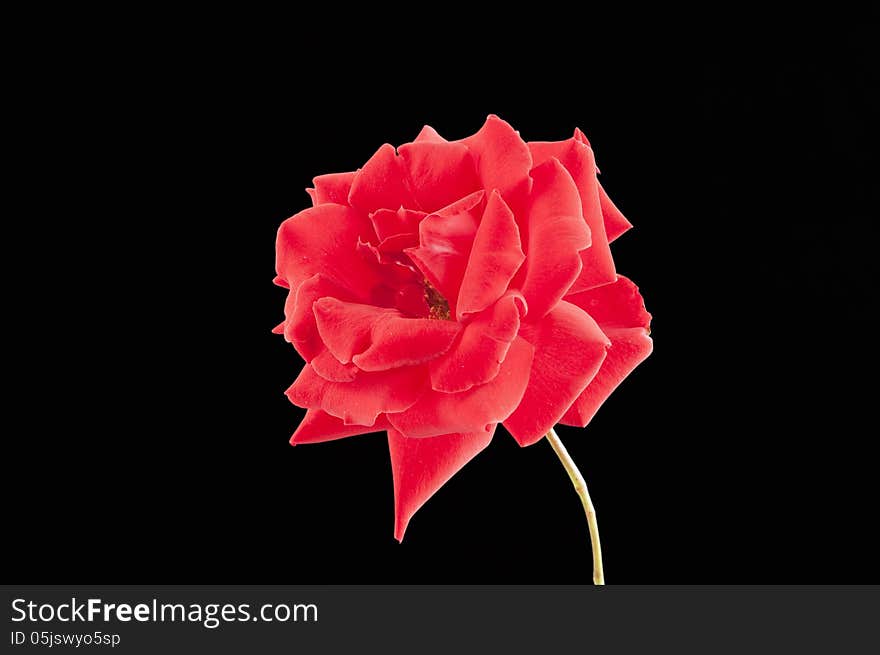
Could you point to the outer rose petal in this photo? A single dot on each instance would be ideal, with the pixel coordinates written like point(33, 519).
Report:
point(363, 399)
point(323, 240)
point(420, 467)
point(620, 312)
point(330, 368)
point(629, 348)
point(333, 188)
point(614, 305)
point(556, 233)
point(473, 410)
point(479, 353)
point(503, 158)
point(381, 183)
point(569, 348)
point(428, 133)
point(318, 426)
point(300, 326)
point(494, 259)
point(615, 222)
point(577, 157)
point(439, 173)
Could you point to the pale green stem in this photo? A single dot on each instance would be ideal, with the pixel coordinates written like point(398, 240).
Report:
point(580, 486)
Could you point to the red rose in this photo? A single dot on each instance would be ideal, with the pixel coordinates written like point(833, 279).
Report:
point(446, 287)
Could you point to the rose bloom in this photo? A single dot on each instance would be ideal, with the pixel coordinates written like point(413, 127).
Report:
point(449, 286)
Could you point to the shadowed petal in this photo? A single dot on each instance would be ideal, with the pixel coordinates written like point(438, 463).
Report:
point(445, 241)
point(420, 467)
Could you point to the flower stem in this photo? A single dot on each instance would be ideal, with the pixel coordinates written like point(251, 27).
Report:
point(580, 486)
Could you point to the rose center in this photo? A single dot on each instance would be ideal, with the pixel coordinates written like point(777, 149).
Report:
point(437, 306)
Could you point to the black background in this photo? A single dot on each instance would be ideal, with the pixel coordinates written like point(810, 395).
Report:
point(738, 453)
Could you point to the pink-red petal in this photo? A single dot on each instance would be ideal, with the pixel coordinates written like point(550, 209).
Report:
point(300, 327)
point(502, 157)
point(323, 240)
point(345, 327)
point(318, 426)
point(473, 410)
point(390, 223)
point(555, 234)
point(364, 398)
point(578, 159)
point(381, 183)
point(614, 305)
point(615, 222)
point(477, 356)
point(494, 259)
point(398, 341)
point(439, 172)
point(629, 348)
point(445, 241)
point(419, 467)
point(569, 349)
point(332, 188)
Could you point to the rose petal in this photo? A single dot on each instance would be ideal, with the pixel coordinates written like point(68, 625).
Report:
point(629, 348)
point(381, 183)
point(429, 134)
point(445, 241)
point(345, 327)
point(502, 157)
point(614, 305)
point(318, 426)
point(301, 328)
point(323, 240)
point(364, 398)
point(620, 311)
point(470, 411)
point(479, 353)
point(577, 157)
point(569, 348)
point(495, 258)
point(439, 173)
point(397, 341)
point(555, 234)
point(388, 223)
point(333, 187)
point(419, 467)
point(615, 222)
point(330, 368)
